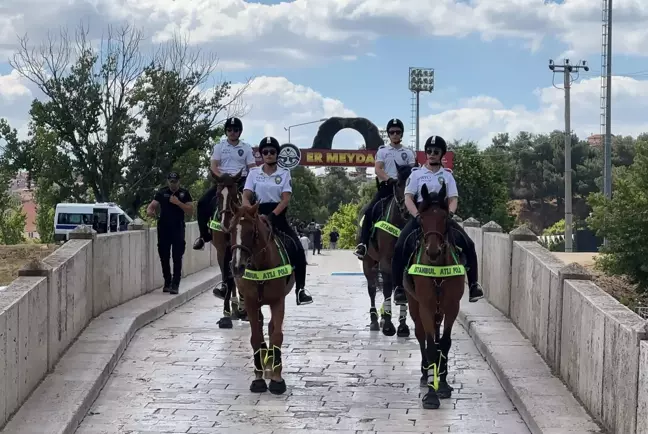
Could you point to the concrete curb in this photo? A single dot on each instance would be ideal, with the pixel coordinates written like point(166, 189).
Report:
point(543, 401)
point(62, 400)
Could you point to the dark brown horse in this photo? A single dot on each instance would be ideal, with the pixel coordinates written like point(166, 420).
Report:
point(380, 252)
point(263, 276)
point(227, 196)
point(434, 284)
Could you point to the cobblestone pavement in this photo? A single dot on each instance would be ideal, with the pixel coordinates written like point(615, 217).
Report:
point(182, 374)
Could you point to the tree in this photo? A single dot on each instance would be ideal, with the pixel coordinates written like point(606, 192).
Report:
point(483, 188)
point(623, 220)
point(345, 220)
point(307, 197)
point(338, 188)
point(12, 218)
point(96, 100)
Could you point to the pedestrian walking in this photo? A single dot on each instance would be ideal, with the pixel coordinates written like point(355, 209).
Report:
point(171, 204)
point(317, 240)
point(333, 238)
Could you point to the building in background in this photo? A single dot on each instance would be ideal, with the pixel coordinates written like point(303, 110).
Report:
point(23, 188)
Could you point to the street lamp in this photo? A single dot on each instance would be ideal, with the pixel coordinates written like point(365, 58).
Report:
point(299, 125)
point(420, 80)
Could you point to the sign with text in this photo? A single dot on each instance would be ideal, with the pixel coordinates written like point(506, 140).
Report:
point(350, 158)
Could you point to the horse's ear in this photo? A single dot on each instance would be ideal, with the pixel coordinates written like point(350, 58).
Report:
point(443, 192)
point(254, 209)
point(424, 192)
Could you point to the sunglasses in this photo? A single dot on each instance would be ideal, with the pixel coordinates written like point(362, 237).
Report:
point(233, 130)
point(433, 151)
point(395, 132)
point(269, 152)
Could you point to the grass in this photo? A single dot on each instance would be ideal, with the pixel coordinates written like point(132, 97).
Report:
point(12, 258)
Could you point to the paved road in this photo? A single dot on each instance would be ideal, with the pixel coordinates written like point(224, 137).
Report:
point(182, 374)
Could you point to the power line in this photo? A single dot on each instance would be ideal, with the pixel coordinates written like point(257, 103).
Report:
point(567, 68)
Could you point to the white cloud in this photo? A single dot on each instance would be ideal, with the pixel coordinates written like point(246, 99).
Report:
point(481, 117)
point(274, 103)
point(12, 87)
point(302, 31)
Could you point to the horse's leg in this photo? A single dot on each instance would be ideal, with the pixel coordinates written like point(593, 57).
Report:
point(370, 275)
point(451, 302)
point(277, 310)
point(256, 339)
point(403, 330)
point(419, 332)
point(388, 328)
point(226, 321)
point(427, 308)
point(269, 358)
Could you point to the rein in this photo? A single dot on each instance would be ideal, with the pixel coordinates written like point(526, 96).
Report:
point(255, 238)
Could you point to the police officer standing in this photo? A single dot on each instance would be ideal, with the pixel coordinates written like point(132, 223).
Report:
point(173, 202)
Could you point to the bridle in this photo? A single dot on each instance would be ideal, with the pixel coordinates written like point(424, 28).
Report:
point(227, 207)
point(255, 238)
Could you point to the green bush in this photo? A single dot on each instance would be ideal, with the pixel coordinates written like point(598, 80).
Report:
point(623, 220)
point(345, 220)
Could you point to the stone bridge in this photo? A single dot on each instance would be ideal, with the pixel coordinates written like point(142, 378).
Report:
point(90, 344)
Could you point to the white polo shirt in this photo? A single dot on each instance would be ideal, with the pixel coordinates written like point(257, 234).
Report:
point(268, 188)
point(434, 180)
point(391, 156)
point(233, 159)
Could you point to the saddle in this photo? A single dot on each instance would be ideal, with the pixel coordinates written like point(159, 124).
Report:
point(381, 212)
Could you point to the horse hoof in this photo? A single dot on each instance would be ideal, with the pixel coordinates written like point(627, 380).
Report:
point(225, 323)
point(374, 327)
point(403, 331)
point(242, 315)
point(258, 386)
point(445, 390)
point(424, 380)
point(218, 293)
point(277, 387)
point(389, 329)
point(431, 401)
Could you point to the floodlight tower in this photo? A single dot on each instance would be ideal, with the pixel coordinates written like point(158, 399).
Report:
point(420, 80)
point(606, 96)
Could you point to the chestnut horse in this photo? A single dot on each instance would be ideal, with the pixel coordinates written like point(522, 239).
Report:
point(380, 251)
point(264, 276)
point(227, 196)
point(434, 284)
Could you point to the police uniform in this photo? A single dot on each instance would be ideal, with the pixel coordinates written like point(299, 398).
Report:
point(268, 189)
point(391, 157)
point(233, 159)
point(171, 232)
point(433, 180)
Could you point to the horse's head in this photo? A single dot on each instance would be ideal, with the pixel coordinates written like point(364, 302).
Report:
point(227, 196)
point(434, 217)
point(404, 173)
point(250, 236)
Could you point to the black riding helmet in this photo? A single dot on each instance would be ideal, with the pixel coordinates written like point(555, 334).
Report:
point(436, 142)
point(234, 123)
point(269, 142)
point(395, 123)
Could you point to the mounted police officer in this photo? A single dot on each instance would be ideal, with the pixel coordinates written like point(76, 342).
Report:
point(388, 158)
point(433, 175)
point(271, 186)
point(230, 156)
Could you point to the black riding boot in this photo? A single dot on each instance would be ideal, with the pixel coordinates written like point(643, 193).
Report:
point(466, 244)
point(402, 253)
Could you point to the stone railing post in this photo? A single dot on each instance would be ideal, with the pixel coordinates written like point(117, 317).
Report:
point(471, 222)
point(146, 277)
point(491, 226)
point(521, 233)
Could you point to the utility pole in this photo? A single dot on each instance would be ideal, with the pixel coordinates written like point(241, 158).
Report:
point(607, 169)
point(566, 68)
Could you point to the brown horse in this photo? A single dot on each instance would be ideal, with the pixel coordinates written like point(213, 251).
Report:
point(227, 196)
point(264, 276)
point(380, 252)
point(434, 284)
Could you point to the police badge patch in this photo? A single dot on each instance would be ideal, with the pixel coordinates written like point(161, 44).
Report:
point(404, 155)
point(277, 180)
point(240, 152)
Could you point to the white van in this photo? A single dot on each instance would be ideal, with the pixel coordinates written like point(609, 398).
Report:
point(103, 217)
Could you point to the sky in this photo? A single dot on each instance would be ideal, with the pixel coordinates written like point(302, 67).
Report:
point(313, 59)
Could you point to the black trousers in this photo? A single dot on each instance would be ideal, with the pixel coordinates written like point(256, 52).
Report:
point(206, 207)
point(407, 243)
point(385, 190)
point(295, 250)
point(171, 243)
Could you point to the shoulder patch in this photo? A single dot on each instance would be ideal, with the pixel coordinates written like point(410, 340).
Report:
point(382, 146)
